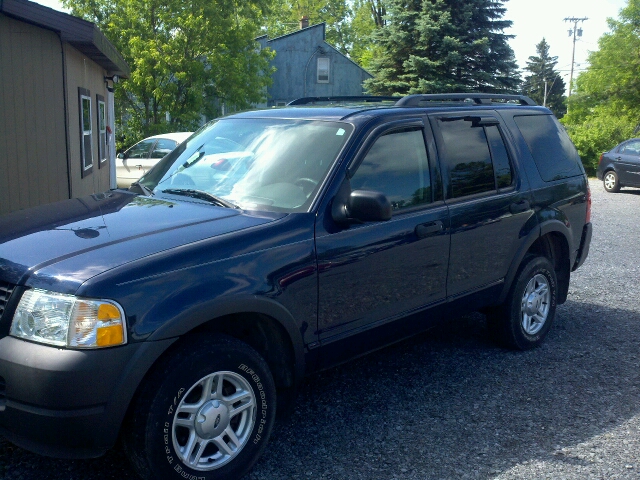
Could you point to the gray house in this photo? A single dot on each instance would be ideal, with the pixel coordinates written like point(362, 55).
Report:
point(307, 66)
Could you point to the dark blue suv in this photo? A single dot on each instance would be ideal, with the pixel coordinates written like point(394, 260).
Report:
point(184, 312)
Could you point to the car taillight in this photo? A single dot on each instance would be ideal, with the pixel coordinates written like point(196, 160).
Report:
point(588, 204)
point(601, 157)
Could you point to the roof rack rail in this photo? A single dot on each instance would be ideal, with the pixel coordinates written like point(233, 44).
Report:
point(339, 99)
point(419, 100)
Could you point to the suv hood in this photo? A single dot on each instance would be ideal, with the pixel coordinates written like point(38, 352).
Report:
point(86, 236)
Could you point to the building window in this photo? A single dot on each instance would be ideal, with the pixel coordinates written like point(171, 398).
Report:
point(323, 69)
point(85, 131)
point(102, 130)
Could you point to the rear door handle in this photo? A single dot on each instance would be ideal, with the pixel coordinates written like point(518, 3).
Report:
point(521, 206)
point(426, 229)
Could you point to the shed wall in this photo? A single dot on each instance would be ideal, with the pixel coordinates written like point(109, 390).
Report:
point(83, 72)
point(33, 155)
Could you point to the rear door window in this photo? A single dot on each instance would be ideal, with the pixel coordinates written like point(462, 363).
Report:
point(473, 152)
point(552, 150)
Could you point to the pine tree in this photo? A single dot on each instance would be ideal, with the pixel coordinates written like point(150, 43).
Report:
point(432, 46)
point(544, 78)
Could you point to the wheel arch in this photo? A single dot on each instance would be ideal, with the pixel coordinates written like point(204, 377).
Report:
point(265, 325)
point(552, 241)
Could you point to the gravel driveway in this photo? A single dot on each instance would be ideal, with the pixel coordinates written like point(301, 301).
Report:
point(448, 404)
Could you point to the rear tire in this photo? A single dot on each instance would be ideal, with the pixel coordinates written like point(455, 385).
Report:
point(205, 413)
point(611, 182)
point(527, 314)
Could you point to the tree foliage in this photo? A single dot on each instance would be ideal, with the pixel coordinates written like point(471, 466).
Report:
point(431, 46)
point(543, 80)
point(186, 58)
point(605, 109)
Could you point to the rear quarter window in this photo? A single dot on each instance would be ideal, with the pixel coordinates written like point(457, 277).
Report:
point(552, 150)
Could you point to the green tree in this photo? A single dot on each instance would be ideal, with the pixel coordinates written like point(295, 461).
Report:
point(605, 107)
point(544, 84)
point(431, 46)
point(368, 16)
point(187, 58)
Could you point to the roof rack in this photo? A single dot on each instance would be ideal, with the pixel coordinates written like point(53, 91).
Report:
point(420, 100)
point(343, 99)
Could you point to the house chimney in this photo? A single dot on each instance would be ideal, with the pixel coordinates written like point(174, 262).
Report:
point(304, 22)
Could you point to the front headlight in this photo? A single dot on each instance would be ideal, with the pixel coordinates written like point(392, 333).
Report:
point(68, 321)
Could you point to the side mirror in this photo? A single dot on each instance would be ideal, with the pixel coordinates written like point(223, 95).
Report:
point(363, 206)
point(120, 156)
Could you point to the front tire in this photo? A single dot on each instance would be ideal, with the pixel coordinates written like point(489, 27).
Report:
point(611, 182)
point(205, 413)
point(525, 318)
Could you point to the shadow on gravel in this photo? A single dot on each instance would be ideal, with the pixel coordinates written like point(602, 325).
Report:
point(445, 404)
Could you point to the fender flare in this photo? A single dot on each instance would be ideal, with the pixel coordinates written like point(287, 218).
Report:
point(549, 226)
point(217, 308)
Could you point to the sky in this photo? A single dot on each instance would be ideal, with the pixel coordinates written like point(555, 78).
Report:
point(535, 19)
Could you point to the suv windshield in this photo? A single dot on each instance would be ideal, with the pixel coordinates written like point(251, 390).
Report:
point(270, 164)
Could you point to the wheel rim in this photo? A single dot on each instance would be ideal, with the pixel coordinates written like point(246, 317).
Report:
point(535, 304)
point(609, 181)
point(213, 421)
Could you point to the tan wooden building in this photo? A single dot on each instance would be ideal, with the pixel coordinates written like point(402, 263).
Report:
point(56, 106)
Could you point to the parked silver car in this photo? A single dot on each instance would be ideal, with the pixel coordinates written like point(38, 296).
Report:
point(137, 160)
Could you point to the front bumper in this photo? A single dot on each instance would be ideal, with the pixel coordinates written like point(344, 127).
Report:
point(69, 403)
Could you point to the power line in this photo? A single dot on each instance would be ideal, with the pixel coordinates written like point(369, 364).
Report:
point(573, 32)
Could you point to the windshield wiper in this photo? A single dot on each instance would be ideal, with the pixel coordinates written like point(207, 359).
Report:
point(146, 191)
point(201, 195)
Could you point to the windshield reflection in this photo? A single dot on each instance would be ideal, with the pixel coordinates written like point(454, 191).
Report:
point(270, 164)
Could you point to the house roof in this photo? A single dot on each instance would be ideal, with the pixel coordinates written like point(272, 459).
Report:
point(79, 33)
point(321, 26)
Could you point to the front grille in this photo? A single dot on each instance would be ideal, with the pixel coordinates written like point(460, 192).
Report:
point(6, 289)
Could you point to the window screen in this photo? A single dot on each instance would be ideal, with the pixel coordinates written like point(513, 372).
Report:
point(465, 152)
point(323, 70)
point(102, 130)
point(84, 99)
point(397, 166)
point(552, 150)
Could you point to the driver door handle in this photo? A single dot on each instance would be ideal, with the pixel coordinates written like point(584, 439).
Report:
point(426, 229)
point(521, 206)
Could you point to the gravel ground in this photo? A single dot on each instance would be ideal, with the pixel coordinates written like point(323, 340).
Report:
point(448, 404)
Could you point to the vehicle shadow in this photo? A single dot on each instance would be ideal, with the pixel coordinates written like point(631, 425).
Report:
point(444, 404)
point(449, 404)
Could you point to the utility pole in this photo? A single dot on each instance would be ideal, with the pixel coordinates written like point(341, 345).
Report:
point(573, 32)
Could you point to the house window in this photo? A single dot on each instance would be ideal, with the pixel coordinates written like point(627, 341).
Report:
point(323, 69)
point(85, 131)
point(102, 130)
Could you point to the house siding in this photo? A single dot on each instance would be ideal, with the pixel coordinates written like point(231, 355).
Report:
point(33, 166)
point(82, 72)
point(296, 64)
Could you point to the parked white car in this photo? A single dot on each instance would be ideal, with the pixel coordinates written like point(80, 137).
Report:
point(137, 160)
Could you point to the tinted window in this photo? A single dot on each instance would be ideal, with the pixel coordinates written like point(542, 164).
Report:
point(140, 150)
point(465, 152)
point(163, 147)
point(397, 166)
point(631, 148)
point(550, 146)
point(501, 163)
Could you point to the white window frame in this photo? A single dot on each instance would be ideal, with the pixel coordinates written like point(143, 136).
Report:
point(86, 168)
point(102, 130)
